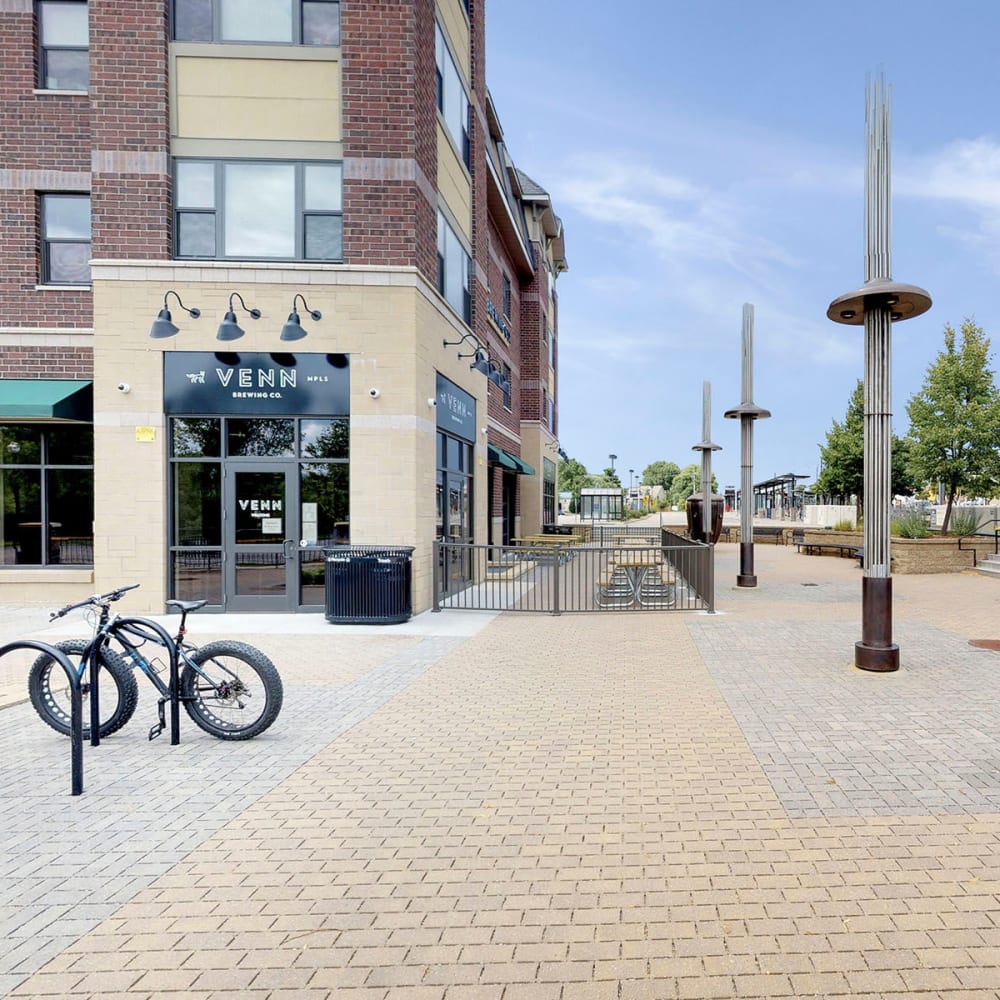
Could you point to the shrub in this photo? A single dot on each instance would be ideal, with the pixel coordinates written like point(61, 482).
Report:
point(963, 521)
point(846, 525)
point(911, 524)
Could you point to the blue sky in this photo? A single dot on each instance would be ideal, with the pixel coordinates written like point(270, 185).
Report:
point(707, 153)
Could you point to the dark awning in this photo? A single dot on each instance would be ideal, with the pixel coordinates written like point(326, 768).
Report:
point(523, 468)
point(46, 399)
point(500, 457)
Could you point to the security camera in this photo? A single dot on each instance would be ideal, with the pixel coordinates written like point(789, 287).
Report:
point(374, 393)
point(124, 387)
point(431, 401)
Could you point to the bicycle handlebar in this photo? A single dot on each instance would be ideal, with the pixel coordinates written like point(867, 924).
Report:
point(97, 600)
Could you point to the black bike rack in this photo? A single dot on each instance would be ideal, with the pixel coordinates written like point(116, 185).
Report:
point(171, 647)
point(76, 704)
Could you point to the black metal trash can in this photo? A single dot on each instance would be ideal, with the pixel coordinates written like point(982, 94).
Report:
point(369, 585)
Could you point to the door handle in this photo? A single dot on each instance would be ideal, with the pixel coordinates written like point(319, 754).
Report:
point(291, 547)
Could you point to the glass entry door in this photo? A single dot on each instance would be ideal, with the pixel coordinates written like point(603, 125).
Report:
point(262, 537)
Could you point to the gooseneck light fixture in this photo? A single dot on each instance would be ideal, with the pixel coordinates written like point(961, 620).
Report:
point(461, 340)
point(480, 363)
point(163, 326)
point(292, 330)
point(229, 329)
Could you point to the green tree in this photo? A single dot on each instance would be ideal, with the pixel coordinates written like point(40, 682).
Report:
point(955, 417)
point(573, 476)
point(660, 474)
point(843, 456)
point(608, 478)
point(688, 481)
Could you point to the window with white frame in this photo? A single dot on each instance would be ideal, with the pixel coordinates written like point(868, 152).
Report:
point(451, 99)
point(506, 297)
point(279, 22)
point(507, 386)
point(453, 270)
point(258, 210)
point(63, 45)
point(65, 220)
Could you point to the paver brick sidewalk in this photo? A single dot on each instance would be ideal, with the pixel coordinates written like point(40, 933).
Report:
point(589, 806)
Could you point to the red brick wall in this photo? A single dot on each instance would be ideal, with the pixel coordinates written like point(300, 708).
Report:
point(389, 112)
point(130, 202)
point(39, 132)
point(46, 362)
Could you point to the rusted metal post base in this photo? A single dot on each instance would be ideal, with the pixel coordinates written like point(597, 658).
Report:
point(746, 577)
point(876, 651)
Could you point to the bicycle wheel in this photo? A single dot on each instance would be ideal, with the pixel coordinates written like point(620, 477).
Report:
point(235, 693)
point(49, 690)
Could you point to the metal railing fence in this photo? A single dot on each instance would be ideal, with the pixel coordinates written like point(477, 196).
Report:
point(557, 578)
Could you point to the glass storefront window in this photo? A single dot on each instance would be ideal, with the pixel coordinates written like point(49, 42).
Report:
point(46, 495)
point(198, 503)
point(325, 498)
point(325, 438)
point(196, 438)
point(260, 437)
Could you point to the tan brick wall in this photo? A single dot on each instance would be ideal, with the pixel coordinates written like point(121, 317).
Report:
point(389, 323)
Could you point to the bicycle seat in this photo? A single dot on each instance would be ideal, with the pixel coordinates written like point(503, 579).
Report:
point(186, 606)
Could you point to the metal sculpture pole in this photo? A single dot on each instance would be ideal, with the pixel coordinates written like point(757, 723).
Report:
point(747, 412)
point(877, 304)
point(706, 447)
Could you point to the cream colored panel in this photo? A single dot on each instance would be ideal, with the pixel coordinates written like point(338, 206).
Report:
point(453, 183)
point(456, 27)
point(258, 99)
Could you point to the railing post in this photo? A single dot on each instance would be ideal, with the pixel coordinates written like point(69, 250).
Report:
point(436, 556)
point(556, 563)
point(711, 579)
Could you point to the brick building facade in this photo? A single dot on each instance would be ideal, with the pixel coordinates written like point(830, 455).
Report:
point(289, 157)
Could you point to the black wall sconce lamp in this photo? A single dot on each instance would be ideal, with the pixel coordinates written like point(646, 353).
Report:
point(292, 330)
point(481, 362)
point(163, 326)
point(496, 377)
point(229, 329)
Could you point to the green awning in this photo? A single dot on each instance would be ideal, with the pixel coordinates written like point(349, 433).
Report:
point(523, 469)
point(500, 457)
point(46, 399)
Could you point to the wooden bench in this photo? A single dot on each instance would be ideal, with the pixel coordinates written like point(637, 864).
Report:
point(845, 551)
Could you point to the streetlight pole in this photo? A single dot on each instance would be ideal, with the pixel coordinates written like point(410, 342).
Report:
point(612, 457)
point(630, 474)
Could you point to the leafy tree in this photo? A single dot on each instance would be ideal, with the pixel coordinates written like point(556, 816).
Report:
point(688, 481)
point(843, 457)
point(609, 478)
point(954, 418)
point(660, 474)
point(573, 476)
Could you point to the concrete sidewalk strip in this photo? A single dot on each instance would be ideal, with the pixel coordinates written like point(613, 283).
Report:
point(620, 806)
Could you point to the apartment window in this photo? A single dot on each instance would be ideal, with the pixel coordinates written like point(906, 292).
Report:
point(507, 383)
point(506, 297)
point(453, 270)
point(287, 22)
point(65, 239)
point(266, 210)
point(451, 99)
point(46, 495)
point(63, 41)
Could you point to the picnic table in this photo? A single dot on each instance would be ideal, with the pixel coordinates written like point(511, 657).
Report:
point(635, 579)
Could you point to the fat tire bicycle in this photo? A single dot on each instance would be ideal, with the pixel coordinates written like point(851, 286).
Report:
point(230, 689)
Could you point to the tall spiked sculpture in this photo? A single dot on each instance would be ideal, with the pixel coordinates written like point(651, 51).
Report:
point(706, 447)
point(747, 412)
point(877, 304)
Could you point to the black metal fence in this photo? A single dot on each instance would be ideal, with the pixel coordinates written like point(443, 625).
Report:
point(629, 576)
